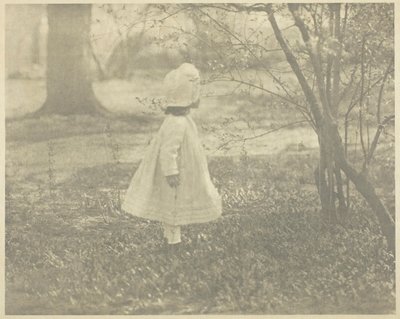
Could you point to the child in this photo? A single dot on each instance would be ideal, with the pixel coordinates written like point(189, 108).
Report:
point(172, 184)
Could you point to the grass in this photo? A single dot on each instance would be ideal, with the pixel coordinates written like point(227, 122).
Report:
point(269, 253)
point(69, 250)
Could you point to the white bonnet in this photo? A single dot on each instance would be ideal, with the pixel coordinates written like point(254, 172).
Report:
point(182, 85)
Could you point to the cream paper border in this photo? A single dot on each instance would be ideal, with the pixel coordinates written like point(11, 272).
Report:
point(2, 159)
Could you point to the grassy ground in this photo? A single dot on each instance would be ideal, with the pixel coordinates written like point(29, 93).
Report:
point(70, 251)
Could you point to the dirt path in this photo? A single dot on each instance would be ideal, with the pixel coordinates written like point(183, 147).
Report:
point(25, 160)
point(87, 146)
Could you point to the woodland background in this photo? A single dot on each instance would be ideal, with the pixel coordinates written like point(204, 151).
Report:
point(297, 118)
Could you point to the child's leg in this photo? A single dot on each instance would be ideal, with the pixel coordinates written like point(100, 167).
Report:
point(172, 233)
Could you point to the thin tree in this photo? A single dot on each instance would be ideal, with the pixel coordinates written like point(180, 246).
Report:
point(332, 148)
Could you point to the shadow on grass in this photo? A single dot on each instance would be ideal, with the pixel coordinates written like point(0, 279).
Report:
point(37, 129)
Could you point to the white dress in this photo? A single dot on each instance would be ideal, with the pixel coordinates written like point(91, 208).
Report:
point(176, 149)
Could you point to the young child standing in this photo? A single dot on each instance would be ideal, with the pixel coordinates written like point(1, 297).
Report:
point(172, 184)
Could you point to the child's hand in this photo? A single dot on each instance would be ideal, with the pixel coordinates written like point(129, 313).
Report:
point(173, 180)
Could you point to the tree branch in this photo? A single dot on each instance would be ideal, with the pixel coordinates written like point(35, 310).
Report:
point(374, 143)
point(380, 96)
point(246, 46)
point(260, 135)
point(315, 60)
point(360, 111)
point(262, 89)
point(296, 69)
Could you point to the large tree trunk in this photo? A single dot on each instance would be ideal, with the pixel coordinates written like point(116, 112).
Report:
point(69, 87)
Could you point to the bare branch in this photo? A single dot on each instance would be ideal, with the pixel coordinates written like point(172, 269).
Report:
point(262, 89)
point(380, 96)
point(330, 56)
point(374, 143)
point(296, 69)
point(360, 111)
point(231, 33)
point(315, 59)
point(259, 135)
point(336, 61)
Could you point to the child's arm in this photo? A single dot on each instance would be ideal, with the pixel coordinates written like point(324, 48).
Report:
point(172, 138)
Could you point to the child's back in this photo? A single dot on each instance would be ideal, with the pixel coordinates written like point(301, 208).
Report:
point(172, 184)
point(176, 149)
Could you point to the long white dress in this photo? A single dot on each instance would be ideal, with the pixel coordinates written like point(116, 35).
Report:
point(176, 149)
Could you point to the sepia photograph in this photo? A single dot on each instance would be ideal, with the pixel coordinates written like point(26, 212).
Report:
point(200, 158)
